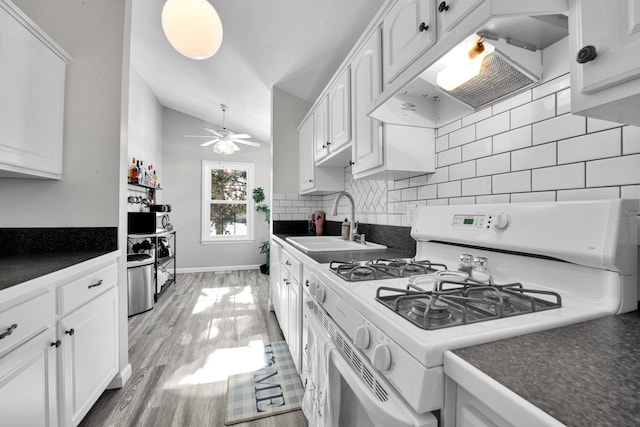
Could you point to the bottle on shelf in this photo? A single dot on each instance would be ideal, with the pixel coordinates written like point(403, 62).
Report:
point(155, 179)
point(133, 171)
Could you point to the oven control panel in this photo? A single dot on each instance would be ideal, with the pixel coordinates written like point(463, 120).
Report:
point(475, 222)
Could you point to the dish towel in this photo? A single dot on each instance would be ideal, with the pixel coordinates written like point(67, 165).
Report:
point(320, 403)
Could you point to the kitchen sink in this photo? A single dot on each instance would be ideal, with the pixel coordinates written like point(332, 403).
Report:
point(330, 243)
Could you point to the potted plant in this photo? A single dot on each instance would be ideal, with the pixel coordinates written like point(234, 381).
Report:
point(258, 197)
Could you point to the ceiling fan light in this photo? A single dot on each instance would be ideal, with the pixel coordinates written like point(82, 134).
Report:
point(192, 27)
point(224, 147)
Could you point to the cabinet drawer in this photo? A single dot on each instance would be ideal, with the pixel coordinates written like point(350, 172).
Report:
point(22, 321)
point(292, 265)
point(78, 292)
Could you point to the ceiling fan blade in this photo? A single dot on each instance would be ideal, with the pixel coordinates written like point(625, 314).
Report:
point(197, 136)
point(239, 136)
point(251, 143)
point(213, 141)
point(215, 132)
point(234, 146)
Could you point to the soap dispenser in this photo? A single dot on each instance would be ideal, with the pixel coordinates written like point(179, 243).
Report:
point(346, 228)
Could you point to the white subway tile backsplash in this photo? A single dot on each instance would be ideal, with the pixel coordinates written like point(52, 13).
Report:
point(394, 196)
point(551, 86)
point(512, 140)
point(558, 177)
point(462, 201)
point(382, 219)
point(449, 157)
point(442, 143)
point(286, 202)
point(438, 202)
point(418, 180)
point(492, 198)
point(462, 170)
point(589, 194)
point(630, 139)
point(514, 182)
point(477, 149)
point(561, 127)
point(427, 192)
point(589, 147)
point(450, 127)
point(292, 196)
point(440, 175)
point(534, 157)
point(630, 192)
point(477, 116)
point(476, 186)
point(623, 170)
point(401, 183)
point(563, 102)
point(410, 193)
point(492, 165)
point(596, 125)
point(449, 189)
point(538, 196)
point(493, 125)
point(512, 102)
point(393, 219)
point(462, 136)
point(538, 110)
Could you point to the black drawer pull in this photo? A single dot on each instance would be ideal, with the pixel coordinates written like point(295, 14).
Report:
point(98, 283)
point(287, 263)
point(70, 332)
point(443, 7)
point(423, 27)
point(586, 54)
point(56, 344)
point(9, 331)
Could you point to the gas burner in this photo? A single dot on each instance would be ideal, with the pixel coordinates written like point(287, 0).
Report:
point(362, 272)
point(462, 302)
point(383, 269)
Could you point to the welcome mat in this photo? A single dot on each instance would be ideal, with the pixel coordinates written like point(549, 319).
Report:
point(273, 389)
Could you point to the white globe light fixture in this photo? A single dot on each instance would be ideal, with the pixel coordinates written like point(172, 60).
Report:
point(193, 27)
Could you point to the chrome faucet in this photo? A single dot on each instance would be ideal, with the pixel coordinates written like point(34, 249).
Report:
point(354, 223)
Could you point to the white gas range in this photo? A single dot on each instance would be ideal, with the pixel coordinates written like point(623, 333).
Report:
point(560, 263)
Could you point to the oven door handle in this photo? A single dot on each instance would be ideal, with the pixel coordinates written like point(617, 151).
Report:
point(393, 412)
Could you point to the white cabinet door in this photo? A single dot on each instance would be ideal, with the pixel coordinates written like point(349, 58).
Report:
point(274, 274)
point(28, 383)
point(367, 143)
point(605, 59)
point(321, 129)
point(340, 111)
point(89, 354)
point(451, 12)
point(408, 30)
point(32, 77)
point(306, 164)
point(295, 323)
point(613, 29)
point(284, 304)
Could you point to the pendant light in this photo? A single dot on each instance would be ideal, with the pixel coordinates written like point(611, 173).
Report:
point(193, 27)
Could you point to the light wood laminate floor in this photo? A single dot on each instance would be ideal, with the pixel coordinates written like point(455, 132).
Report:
point(183, 350)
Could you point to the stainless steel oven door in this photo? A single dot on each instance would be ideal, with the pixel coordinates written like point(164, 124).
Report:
point(359, 397)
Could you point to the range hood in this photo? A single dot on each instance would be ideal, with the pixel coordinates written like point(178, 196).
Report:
point(515, 64)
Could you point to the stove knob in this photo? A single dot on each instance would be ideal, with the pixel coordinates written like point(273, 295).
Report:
point(320, 295)
point(381, 359)
point(363, 337)
point(501, 222)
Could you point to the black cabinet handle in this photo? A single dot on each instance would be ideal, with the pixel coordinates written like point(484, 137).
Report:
point(586, 54)
point(306, 283)
point(56, 344)
point(443, 7)
point(9, 331)
point(423, 27)
point(287, 263)
point(328, 143)
point(351, 163)
point(98, 283)
point(70, 332)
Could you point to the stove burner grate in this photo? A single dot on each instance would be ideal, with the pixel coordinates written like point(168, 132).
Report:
point(376, 269)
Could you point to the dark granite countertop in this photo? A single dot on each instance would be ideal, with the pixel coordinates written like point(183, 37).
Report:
point(586, 374)
point(16, 269)
point(327, 257)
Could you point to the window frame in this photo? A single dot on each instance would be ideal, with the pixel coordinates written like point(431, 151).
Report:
point(206, 201)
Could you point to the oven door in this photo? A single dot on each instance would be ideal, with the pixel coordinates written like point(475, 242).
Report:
point(352, 400)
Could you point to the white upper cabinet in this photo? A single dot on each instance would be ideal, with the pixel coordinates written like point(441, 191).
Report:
point(605, 59)
point(321, 129)
point(32, 77)
point(367, 143)
point(306, 164)
point(409, 29)
point(451, 12)
point(314, 179)
point(334, 115)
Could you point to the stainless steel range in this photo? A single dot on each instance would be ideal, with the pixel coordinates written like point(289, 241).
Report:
point(494, 271)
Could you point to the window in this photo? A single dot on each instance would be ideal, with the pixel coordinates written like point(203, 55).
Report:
point(227, 208)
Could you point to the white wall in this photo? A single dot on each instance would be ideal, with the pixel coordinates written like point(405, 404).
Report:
point(88, 193)
point(182, 189)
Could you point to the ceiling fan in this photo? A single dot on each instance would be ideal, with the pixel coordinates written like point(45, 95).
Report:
point(223, 139)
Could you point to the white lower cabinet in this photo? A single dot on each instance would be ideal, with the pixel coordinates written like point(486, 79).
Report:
point(55, 364)
point(88, 354)
point(295, 322)
point(28, 383)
